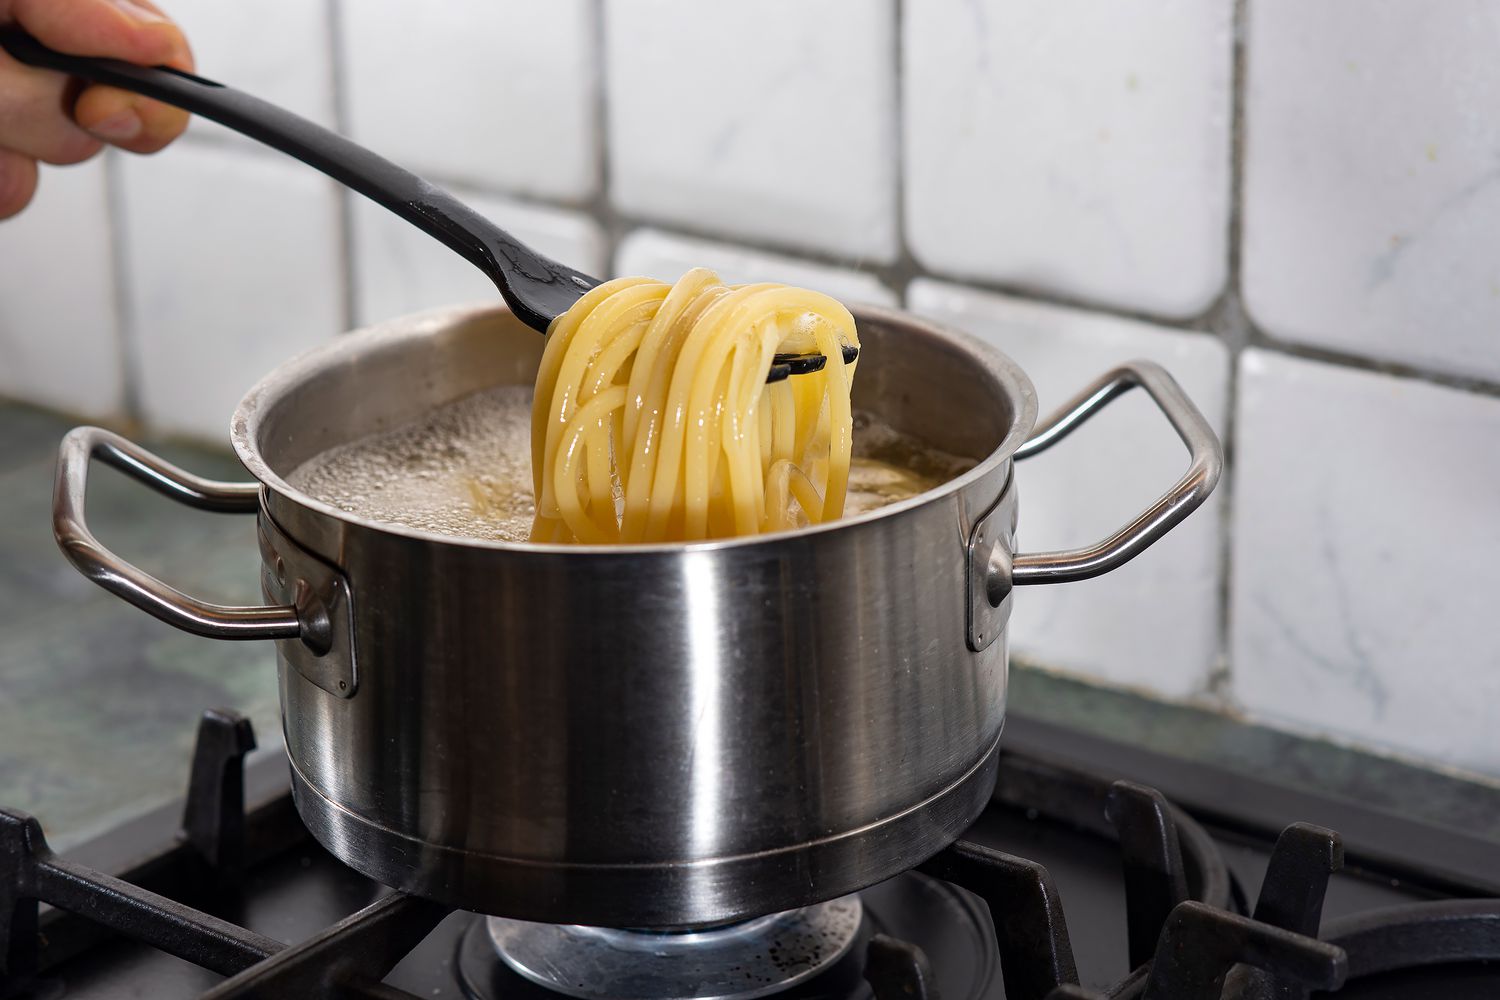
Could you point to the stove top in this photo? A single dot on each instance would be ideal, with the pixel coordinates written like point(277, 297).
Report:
point(1099, 871)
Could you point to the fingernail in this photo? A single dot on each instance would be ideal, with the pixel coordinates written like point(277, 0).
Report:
point(118, 127)
point(137, 13)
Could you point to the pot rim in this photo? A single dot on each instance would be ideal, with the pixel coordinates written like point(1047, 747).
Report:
point(245, 427)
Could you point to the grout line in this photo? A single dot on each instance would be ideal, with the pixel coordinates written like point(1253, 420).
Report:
point(1396, 369)
point(899, 275)
point(125, 332)
point(1231, 324)
point(337, 79)
point(1231, 317)
point(1226, 318)
point(600, 207)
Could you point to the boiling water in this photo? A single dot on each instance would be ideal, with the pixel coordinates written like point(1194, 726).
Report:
point(465, 469)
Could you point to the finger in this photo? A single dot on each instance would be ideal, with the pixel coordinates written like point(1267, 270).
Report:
point(128, 120)
point(17, 182)
point(33, 115)
point(131, 30)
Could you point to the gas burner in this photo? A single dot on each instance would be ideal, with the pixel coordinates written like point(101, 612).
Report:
point(752, 958)
point(907, 915)
point(971, 923)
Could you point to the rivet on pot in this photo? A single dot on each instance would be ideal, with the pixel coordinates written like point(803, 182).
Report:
point(998, 574)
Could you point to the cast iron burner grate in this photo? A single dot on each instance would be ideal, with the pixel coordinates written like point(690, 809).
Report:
point(1189, 937)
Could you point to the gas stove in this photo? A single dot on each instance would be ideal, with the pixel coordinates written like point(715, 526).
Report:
point(1099, 870)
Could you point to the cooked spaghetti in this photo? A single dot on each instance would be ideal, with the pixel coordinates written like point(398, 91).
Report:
point(651, 419)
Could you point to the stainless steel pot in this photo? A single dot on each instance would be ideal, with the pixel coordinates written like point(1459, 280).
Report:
point(646, 736)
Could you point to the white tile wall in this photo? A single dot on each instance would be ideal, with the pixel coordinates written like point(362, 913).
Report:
point(59, 343)
point(278, 50)
point(1364, 571)
point(773, 120)
point(1372, 179)
point(1066, 150)
point(496, 92)
point(232, 267)
point(668, 256)
point(399, 269)
point(1153, 623)
point(1072, 146)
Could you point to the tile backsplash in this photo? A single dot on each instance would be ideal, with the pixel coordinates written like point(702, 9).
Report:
point(500, 93)
point(1365, 576)
point(231, 265)
point(1372, 179)
point(747, 119)
point(1295, 208)
point(230, 43)
point(1154, 624)
point(399, 269)
point(59, 328)
point(1072, 147)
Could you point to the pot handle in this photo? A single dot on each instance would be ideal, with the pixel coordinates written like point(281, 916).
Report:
point(93, 560)
point(1185, 496)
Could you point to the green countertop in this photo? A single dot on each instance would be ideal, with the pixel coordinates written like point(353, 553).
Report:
point(99, 702)
point(1456, 801)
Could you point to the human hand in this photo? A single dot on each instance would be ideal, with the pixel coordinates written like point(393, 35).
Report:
point(48, 117)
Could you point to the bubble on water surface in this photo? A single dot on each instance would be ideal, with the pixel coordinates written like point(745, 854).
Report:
point(465, 469)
